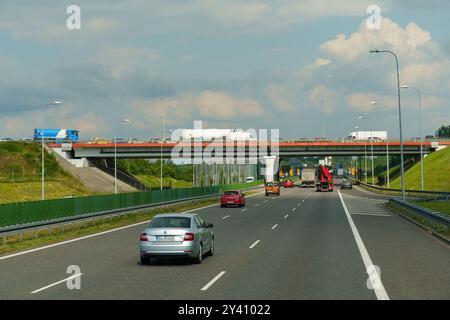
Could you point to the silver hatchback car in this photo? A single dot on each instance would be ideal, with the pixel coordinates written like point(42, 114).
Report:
point(176, 235)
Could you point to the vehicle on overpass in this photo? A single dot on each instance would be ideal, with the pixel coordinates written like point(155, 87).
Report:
point(324, 179)
point(368, 135)
point(183, 235)
point(56, 135)
point(232, 198)
point(288, 183)
point(99, 140)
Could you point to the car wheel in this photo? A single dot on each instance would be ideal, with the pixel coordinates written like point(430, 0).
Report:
point(199, 258)
point(211, 251)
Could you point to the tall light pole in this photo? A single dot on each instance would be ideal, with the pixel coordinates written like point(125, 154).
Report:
point(322, 101)
point(163, 98)
point(371, 144)
point(356, 161)
point(387, 141)
point(115, 157)
point(402, 170)
point(365, 150)
point(54, 103)
point(420, 132)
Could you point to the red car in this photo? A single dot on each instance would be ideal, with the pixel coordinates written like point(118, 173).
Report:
point(288, 183)
point(232, 198)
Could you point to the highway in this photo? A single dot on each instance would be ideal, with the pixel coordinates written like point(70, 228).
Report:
point(301, 245)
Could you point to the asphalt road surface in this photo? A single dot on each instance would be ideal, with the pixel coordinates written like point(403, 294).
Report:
point(301, 245)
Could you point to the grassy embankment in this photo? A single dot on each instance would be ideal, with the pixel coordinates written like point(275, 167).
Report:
point(20, 174)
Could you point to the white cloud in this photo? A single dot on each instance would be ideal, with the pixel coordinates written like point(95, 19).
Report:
point(212, 106)
point(411, 43)
point(319, 93)
point(119, 59)
point(281, 97)
point(319, 62)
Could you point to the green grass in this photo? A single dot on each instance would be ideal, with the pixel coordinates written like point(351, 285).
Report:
point(436, 173)
point(20, 174)
point(437, 205)
point(154, 182)
point(29, 191)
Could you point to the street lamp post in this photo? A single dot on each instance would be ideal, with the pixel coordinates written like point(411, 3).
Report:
point(322, 101)
point(399, 118)
point(356, 162)
point(387, 142)
point(371, 143)
point(54, 103)
point(365, 151)
point(420, 132)
point(115, 158)
point(163, 98)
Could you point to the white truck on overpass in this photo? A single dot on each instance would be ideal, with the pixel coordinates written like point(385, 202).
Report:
point(368, 135)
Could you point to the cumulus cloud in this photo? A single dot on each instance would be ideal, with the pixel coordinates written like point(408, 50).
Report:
point(281, 97)
point(411, 42)
point(325, 94)
point(208, 106)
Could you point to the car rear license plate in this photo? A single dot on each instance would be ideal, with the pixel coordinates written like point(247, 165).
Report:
point(165, 238)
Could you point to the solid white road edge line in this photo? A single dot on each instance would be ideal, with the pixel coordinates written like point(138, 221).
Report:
point(254, 244)
point(101, 233)
point(371, 214)
point(212, 281)
point(380, 291)
point(56, 283)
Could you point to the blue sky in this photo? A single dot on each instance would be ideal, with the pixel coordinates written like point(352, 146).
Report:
point(232, 64)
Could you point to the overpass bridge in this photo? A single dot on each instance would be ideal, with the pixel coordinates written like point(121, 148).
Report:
point(285, 149)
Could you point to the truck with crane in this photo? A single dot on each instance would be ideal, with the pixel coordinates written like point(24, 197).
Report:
point(324, 178)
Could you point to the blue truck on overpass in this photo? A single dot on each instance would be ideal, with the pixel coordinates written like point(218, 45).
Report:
point(56, 135)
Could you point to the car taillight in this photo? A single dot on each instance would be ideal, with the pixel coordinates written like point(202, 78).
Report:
point(144, 237)
point(189, 236)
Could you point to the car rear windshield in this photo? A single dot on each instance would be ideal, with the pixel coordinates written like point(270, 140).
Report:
point(231, 193)
point(170, 222)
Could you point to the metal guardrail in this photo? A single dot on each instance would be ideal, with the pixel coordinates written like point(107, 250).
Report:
point(399, 190)
point(422, 211)
point(118, 211)
point(439, 224)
